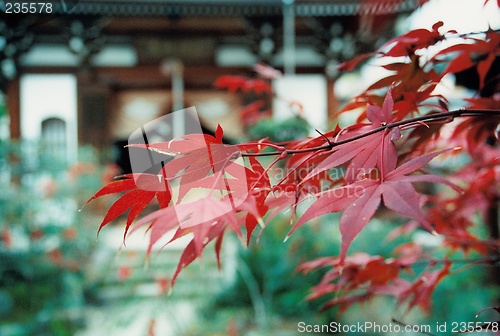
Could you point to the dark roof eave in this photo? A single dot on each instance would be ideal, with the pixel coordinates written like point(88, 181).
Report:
point(239, 8)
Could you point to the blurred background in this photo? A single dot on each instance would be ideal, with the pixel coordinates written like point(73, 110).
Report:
point(74, 84)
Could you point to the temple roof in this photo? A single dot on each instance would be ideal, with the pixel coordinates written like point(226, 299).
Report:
point(228, 8)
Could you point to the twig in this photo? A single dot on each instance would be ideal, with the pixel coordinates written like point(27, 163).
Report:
point(428, 117)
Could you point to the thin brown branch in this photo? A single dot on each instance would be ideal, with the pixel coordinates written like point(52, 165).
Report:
point(494, 260)
point(428, 117)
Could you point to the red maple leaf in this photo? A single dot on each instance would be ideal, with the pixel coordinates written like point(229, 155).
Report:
point(356, 279)
point(241, 193)
point(361, 199)
point(406, 44)
point(235, 83)
point(133, 199)
point(367, 152)
point(472, 52)
point(230, 83)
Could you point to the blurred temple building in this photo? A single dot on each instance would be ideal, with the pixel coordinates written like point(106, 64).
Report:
point(92, 71)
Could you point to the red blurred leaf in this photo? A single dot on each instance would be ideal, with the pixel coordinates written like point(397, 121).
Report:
point(419, 293)
point(124, 273)
point(235, 83)
point(70, 233)
point(473, 52)
point(6, 237)
point(259, 86)
point(163, 284)
point(253, 113)
point(230, 83)
point(362, 277)
point(406, 44)
point(352, 64)
point(56, 256)
point(151, 327)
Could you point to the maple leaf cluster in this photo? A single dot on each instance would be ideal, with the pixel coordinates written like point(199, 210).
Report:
point(382, 158)
point(368, 276)
point(257, 110)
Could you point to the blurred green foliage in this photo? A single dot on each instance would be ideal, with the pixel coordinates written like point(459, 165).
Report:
point(44, 243)
point(279, 131)
point(272, 266)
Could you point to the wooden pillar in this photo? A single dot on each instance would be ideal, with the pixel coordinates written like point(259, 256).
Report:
point(332, 102)
point(13, 107)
